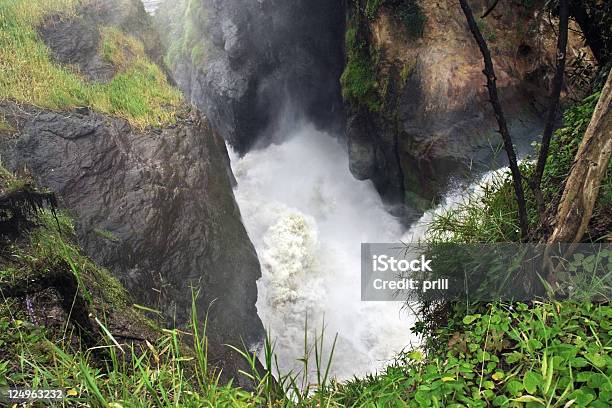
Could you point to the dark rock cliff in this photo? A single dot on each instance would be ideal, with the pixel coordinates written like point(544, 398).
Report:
point(154, 206)
point(249, 64)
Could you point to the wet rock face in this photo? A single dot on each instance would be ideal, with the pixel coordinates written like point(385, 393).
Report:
point(248, 64)
point(155, 208)
point(436, 123)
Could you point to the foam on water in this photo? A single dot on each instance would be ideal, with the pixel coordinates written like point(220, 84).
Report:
point(307, 217)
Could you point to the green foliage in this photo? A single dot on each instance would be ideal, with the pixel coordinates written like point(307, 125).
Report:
point(188, 41)
point(485, 216)
point(164, 373)
point(565, 143)
point(547, 354)
point(490, 214)
point(139, 93)
point(372, 7)
point(359, 84)
point(362, 86)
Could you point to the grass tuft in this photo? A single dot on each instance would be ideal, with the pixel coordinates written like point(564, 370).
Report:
point(140, 92)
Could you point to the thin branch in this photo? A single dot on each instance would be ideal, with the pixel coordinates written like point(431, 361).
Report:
point(489, 72)
point(490, 9)
point(536, 179)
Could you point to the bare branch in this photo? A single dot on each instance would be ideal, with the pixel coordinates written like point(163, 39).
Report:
point(536, 179)
point(490, 9)
point(489, 72)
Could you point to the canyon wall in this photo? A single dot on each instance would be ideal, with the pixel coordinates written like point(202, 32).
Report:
point(417, 106)
point(251, 65)
point(153, 204)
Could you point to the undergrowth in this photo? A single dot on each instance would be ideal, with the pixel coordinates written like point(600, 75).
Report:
point(139, 92)
point(490, 214)
point(542, 354)
point(359, 84)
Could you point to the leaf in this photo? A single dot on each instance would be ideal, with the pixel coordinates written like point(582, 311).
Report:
point(447, 379)
point(514, 387)
point(72, 392)
point(500, 400)
point(498, 375)
point(514, 357)
point(579, 362)
point(529, 398)
point(582, 398)
point(488, 385)
point(415, 355)
point(531, 381)
point(470, 319)
point(597, 359)
point(596, 380)
point(584, 376)
point(535, 344)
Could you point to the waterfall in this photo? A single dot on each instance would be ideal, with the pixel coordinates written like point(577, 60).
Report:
point(307, 217)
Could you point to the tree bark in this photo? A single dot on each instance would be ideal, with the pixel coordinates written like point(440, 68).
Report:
point(489, 72)
point(549, 127)
point(589, 167)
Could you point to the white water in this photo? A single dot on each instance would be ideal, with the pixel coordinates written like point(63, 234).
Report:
point(307, 217)
point(151, 5)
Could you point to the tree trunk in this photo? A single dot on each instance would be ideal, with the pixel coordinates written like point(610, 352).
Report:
point(589, 168)
point(489, 72)
point(536, 179)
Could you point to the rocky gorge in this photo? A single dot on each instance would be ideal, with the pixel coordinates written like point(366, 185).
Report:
point(408, 73)
point(154, 205)
point(391, 91)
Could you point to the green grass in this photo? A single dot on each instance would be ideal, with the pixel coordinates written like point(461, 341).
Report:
point(491, 215)
point(543, 355)
point(139, 93)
